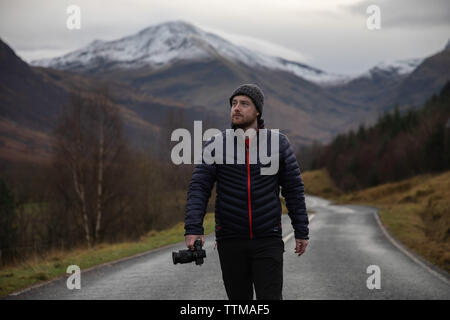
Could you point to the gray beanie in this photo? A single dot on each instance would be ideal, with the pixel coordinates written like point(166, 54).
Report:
point(253, 92)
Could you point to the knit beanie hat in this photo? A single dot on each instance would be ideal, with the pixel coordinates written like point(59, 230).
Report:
point(253, 92)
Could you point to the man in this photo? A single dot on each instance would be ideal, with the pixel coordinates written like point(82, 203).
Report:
point(248, 208)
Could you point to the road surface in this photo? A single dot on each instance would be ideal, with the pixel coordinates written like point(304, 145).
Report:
point(344, 242)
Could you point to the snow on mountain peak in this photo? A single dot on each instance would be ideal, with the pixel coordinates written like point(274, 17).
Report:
point(447, 46)
point(164, 43)
point(154, 46)
point(392, 68)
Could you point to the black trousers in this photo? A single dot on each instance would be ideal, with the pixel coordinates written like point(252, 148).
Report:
point(253, 262)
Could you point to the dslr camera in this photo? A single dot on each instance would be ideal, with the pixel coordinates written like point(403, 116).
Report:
point(186, 256)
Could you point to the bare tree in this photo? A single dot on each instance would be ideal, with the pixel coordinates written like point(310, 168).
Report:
point(89, 143)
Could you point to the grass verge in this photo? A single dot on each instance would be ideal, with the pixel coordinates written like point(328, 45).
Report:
point(54, 264)
point(415, 210)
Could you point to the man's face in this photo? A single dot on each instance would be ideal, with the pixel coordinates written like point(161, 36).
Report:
point(243, 111)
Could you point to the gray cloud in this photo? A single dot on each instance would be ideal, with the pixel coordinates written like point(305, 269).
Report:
point(407, 13)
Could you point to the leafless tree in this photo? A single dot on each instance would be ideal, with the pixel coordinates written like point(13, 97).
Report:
point(89, 147)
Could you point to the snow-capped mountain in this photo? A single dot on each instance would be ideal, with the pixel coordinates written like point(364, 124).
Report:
point(447, 47)
point(165, 43)
point(393, 68)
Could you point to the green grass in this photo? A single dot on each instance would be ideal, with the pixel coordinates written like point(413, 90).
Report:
point(38, 269)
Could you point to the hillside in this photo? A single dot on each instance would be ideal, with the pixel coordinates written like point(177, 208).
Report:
point(32, 98)
point(397, 146)
point(415, 210)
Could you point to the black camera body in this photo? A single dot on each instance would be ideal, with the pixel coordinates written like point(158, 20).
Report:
point(186, 256)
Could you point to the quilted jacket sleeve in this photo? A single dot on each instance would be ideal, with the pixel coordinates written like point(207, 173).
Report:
point(200, 186)
point(292, 189)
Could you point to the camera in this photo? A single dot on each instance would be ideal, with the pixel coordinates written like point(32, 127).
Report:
point(186, 256)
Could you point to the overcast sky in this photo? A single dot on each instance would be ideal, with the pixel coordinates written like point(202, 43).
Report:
point(330, 35)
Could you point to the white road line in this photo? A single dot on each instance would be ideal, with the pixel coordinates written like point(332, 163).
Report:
point(290, 235)
point(406, 252)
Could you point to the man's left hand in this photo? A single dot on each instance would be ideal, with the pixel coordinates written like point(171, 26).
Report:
point(300, 246)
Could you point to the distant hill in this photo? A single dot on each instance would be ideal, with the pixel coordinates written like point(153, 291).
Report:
point(27, 103)
point(404, 84)
point(428, 78)
point(397, 146)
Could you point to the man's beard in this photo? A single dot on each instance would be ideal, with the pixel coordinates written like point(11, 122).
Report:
point(242, 125)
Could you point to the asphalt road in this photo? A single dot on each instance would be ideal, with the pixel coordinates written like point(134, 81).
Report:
point(344, 242)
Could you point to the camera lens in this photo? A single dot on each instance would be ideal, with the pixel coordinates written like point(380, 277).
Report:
point(175, 257)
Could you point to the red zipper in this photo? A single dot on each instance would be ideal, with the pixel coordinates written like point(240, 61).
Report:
point(247, 142)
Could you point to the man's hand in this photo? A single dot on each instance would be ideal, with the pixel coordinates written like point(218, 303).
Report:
point(190, 239)
point(300, 246)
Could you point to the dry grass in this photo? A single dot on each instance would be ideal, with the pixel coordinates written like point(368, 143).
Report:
point(319, 183)
point(415, 210)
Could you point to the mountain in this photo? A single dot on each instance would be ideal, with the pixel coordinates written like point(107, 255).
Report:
point(32, 98)
point(425, 80)
point(391, 69)
point(377, 88)
point(17, 78)
point(175, 66)
point(174, 41)
point(27, 103)
point(403, 83)
point(179, 62)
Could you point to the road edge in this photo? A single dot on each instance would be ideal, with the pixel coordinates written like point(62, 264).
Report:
point(431, 268)
point(98, 266)
point(108, 263)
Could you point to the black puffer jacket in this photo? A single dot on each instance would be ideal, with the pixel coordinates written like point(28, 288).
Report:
point(247, 203)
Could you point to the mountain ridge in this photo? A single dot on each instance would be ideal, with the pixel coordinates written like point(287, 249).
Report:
point(164, 43)
point(161, 44)
point(305, 110)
